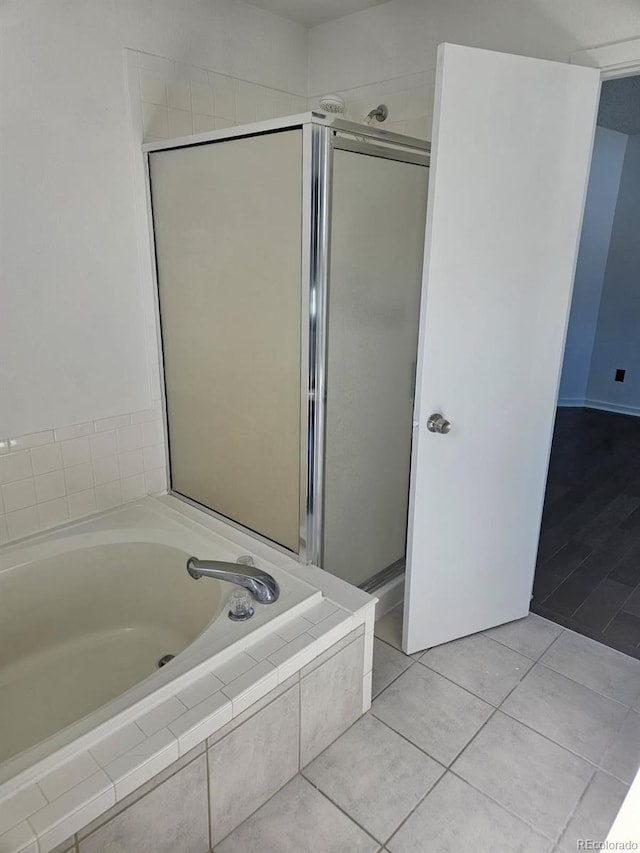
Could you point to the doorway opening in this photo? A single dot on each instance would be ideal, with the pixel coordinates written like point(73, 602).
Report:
point(588, 568)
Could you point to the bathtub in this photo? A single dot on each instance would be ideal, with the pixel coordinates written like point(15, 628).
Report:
point(87, 612)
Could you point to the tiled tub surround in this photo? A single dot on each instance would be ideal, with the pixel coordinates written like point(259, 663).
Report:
point(268, 705)
point(50, 477)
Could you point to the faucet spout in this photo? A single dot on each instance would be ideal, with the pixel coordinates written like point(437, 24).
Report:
point(262, 586)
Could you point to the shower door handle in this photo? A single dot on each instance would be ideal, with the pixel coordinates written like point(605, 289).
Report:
point(439, 424)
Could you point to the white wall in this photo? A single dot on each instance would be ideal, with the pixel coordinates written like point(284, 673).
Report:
point(604, 181)
point(400, 37)
point(617, 342)
point(72, 341)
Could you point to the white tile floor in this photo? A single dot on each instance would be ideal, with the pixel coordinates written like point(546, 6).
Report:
point(519, 740)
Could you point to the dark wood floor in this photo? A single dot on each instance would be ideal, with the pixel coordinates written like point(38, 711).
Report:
point(588, 572)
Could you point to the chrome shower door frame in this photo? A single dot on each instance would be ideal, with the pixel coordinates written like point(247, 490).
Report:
point(320, 135)
point(317, 160)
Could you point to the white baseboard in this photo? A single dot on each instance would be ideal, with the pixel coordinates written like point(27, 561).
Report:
point(600, 405)
point(571, 403)
point(603, 406)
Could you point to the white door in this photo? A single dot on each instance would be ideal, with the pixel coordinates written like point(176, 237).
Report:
point(512, 140)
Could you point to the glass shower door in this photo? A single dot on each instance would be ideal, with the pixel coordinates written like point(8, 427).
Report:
point(227, 223)
point(378, 216)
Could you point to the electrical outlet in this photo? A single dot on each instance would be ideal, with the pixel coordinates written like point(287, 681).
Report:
point(620, 375)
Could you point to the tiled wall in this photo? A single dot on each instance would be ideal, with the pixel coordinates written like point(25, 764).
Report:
point(174, 99)
point(50, 477)
point(409, 99)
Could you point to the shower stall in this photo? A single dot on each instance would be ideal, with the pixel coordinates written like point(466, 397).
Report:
point(288, 258)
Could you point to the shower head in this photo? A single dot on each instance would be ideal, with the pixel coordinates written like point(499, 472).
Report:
point(379, 113)
point(332, 104)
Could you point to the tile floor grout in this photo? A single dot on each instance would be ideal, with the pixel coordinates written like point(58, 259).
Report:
point(631, 592)
point(337, 805)
point(448, 767)
point(535, 662)
point(596, 767)
point(577, 806)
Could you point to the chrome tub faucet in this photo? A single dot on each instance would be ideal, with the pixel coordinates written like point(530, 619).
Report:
point(262, 586)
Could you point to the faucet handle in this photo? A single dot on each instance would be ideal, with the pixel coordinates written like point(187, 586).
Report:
point(240, 606)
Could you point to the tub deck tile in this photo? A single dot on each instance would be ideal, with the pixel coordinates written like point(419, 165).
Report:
point(72, 810)
point(68, 775)
point(199, 690)
point(203, 720)
point(160, 716)
point(251, 686)
point(144, 761)
point(234, 667)
point(20, 839)
point(261, 650)
point(18, 807)
point(115, 745)
point(296, 654)
point(320, 611)
point(332, 629)
point(293, 628)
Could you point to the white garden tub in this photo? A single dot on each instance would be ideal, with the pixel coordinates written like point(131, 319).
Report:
point(88, 611)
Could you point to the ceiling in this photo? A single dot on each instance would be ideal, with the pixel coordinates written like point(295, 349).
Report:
point(312, 12)
point(620, 105)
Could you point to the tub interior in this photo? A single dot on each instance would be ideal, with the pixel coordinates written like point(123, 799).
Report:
point(80, 628)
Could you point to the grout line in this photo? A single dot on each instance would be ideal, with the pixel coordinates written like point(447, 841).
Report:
point(468, 689)
point(510, 716)
point(208, 785)
point(494, 709)
point(575, 808)
point(134, 802)
point(417, 806)
point(544, 833)
point(594, 550)
point(546, 649)
point(393, 681)
point(555, 839)
point(340, 808)
point(583, 631)
point(619, 610)
point(580, 684)
point(515, 651)
point(552, 643)
point(550, 739)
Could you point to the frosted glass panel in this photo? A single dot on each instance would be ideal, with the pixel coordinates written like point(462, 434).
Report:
point(227, 221)
point(377, 237)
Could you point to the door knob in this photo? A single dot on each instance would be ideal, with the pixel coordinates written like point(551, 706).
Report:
point(437, 423)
